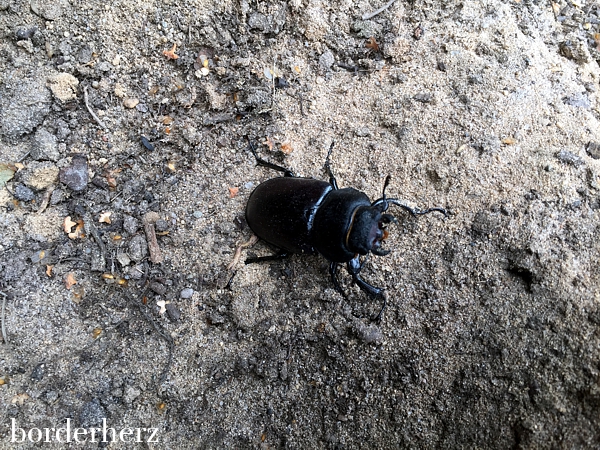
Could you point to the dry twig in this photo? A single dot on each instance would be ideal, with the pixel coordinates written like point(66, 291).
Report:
point(4, 336)
point(156, 255)
point(368, 16)
point(93, 114)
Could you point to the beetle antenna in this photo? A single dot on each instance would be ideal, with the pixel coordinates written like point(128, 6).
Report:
point(383, 200)
point(332, 179)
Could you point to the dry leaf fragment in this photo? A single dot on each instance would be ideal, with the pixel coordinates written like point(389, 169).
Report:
point(167, 120)
point(170, 54)
point(105, 217)
point(68, 224)
point(286, 148)
point(233, 191)
point(49, 270)
point(372, 44)
point(162, 305)
point(269, 143)
point(509, 141)
point(20, 399)
point(97, 332)
point(70, 280)
point(78, 233)
point(6, 172)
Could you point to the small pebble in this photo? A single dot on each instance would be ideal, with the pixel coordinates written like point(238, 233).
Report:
point(23, 193)
point(25, 33)
point(130, 224)
point(38, 372)
point(146, 143)
point(186, 293)
point(173, 312)
point(567, 157)
point(326, 60)
point(123, 259)
point(138, 248)
point(198, 214)
point(76, 175)
point(130, 102)
point(423, 98)
point(593, 149)
point(161, 225)
point(44, 146)
point(159, 288)
point(249, 185)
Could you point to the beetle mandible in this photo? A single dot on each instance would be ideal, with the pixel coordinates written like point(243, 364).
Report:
point(304, 215)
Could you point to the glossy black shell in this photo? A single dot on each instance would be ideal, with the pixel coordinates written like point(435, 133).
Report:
point(303, 215)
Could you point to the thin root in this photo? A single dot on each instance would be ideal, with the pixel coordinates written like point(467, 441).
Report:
point(368, 16)
point(238, 251)
point(4, 336)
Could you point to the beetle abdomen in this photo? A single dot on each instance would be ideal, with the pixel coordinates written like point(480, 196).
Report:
point(281, 211)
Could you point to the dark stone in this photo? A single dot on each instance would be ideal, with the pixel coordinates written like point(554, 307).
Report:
point(423, 98)
point(159, 288)
point(75, 176)
point(567, 157)
point(25, 33)
point(173, 312)
point(38, 372)
point(161, 225)
point(146, 143)
point(138, 248)
point(593, 149)
point(23, 193)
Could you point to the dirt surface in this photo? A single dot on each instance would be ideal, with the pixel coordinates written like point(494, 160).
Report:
point(144, 110)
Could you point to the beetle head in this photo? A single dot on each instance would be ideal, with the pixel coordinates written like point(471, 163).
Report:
point(368, 230)
point(368, 227)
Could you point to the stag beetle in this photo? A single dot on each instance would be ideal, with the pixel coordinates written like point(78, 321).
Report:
point(304, 215)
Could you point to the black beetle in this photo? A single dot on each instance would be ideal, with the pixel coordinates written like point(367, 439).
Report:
point(304, 215)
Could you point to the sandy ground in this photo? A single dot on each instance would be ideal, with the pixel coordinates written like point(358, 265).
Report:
point(144, 110)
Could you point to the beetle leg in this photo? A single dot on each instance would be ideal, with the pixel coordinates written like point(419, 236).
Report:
point(354, 267)
point(333, 268)
point(332, 179)
point(377, 318)
point(277, 256)
point(262, 162)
